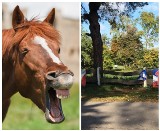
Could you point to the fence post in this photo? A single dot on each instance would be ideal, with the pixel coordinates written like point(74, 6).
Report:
point(145, 77)
point(98, 76)
point(145, 83)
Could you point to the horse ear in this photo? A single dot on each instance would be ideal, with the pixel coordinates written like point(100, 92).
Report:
point(50, 17)
point(17, 17)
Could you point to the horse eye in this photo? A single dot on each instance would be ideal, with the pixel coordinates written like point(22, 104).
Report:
point(25, 50)
point(59, 51)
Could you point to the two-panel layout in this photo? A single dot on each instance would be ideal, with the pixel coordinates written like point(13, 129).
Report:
point(80, 66)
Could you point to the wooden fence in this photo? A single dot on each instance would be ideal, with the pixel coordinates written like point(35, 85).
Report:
point(92, 79)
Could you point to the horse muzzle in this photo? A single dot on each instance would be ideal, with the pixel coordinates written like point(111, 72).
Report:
point(58, 85)
point(59, 80)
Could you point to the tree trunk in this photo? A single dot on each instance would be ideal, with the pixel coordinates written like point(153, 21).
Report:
point(96, 36)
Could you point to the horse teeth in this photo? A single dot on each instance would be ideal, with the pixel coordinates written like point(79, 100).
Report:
point(62, 97)
point(59, 96)
point(67, 96)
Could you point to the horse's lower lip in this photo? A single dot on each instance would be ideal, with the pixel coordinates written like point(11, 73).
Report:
point(51, 119)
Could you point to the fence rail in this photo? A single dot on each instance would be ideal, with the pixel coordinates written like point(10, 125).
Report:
point(104, 80)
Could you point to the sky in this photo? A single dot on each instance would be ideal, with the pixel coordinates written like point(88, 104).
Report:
point(68, 9)
point(105, 26)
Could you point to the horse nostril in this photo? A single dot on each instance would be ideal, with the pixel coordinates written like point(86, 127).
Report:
point(52, 75)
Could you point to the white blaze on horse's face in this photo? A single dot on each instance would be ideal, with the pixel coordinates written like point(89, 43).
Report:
point(41, 41)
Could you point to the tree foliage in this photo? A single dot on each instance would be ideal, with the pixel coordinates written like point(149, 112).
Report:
point(110, 11)
point(127, 48)
point(123, 24)
point(151, 59)
point(107, 58)
point(150, 26)
point(86, 51)
point(107, 54)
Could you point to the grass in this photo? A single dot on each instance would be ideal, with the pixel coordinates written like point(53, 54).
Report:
point(109, 76)
point(23, 114)
point(110, 93)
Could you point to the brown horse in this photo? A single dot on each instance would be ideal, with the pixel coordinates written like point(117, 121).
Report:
point(32, 67)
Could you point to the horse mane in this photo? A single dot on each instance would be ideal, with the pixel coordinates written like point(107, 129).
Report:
point(34, 27)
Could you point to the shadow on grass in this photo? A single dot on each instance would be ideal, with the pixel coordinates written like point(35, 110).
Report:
point(109, 93)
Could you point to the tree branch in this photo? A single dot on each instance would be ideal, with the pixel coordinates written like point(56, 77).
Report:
point(86, 16)
point(88, 34)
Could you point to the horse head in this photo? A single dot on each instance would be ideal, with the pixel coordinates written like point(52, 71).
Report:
point(39, 73)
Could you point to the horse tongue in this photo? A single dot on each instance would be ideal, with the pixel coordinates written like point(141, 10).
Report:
point(55, 112)
point(55, 108)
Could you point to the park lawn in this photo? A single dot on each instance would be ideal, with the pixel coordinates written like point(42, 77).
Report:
point(111, 93)
point(23, 114)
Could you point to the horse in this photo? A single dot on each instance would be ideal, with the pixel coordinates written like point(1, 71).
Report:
point(31, 65)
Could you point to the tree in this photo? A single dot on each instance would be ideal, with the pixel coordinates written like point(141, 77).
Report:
point(150, 58)
point(107, 58)
point(150, 26)
point(86, 51)
point(107, 54)
point(104, 11)
point(94, 27)
point(123, 24)
point(127, 48)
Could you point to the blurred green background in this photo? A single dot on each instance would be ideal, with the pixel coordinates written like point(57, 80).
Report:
point(23, 114)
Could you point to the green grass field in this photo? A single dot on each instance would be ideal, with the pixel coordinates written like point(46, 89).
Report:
point(23, 114)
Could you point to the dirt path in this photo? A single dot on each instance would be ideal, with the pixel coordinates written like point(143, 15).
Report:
point(119, 116)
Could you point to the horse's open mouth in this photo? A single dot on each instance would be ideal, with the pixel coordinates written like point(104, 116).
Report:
point(57, 88)
point(54, 112)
